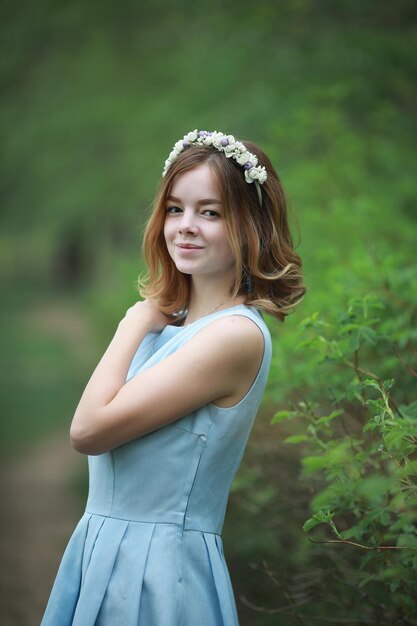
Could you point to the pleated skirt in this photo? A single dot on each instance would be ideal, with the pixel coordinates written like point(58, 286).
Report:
point(117, 572)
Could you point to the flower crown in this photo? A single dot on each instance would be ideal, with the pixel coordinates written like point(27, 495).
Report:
point(230, 148)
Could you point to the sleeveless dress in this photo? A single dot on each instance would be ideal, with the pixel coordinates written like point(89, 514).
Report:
point(148, 550)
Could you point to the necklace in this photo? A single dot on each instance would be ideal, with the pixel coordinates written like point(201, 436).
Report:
point(218, 307)
point(184, 313)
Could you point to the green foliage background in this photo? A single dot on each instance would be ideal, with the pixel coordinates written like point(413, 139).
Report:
point(94, 96)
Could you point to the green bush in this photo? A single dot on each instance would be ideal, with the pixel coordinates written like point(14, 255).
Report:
point(358, 437)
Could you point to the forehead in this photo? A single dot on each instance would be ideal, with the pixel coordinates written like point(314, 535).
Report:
point(197, 182)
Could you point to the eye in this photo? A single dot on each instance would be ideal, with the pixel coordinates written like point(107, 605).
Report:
point(173, 209)
point(211, 213)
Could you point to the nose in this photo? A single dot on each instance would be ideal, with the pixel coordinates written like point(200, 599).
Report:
point(187, 223)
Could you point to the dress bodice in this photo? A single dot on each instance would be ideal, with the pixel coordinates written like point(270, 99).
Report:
point(182, 472)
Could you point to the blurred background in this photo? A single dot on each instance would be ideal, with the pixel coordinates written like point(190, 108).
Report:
point(94, 95)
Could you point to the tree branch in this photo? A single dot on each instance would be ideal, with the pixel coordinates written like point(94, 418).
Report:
point(362, 546)
point(398, 355)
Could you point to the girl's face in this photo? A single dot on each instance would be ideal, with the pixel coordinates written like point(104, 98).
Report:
point(195, 229)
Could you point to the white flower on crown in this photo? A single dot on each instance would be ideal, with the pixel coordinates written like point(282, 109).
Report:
point(230, 150)
point(246, 157)
point(256, 173)
point(191, 136)
point(207, 141)
point(223, 142)
point(262, 176)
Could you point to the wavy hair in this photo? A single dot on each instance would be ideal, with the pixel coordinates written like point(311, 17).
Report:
point(259, 236)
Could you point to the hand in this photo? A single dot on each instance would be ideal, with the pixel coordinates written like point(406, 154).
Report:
point(147, 311)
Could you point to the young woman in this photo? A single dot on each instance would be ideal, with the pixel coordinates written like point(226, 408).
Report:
point(166, 415)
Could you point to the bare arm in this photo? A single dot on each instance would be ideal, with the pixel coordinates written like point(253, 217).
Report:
point(217, 365)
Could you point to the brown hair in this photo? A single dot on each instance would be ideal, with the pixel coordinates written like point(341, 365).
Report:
point(258, 235)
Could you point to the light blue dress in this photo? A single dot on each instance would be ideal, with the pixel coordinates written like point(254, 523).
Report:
point(148, 550)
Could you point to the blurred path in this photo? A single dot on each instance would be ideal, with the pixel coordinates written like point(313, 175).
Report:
point(39, 513)
point(40, 502)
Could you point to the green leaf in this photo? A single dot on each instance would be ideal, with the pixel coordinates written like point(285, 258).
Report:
point(321, 517)
point(408, 469)
point(409, 410)
point(371, 382)
point(347, 328)
point(331, 497)
point(314, 463)
point(326, 419)
point(280, 416)
point(296, 439)
point(396, 439)
point(354, 342)
point(312, 522)
point(355, 532)
point(368, 334)
point(374, 489)
point(334, 458)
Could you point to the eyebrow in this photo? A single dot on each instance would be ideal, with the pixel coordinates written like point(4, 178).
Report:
point(202, 202)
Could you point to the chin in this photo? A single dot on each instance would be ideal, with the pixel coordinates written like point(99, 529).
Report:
point(182, 269)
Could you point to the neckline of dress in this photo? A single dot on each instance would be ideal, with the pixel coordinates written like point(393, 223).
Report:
point(235, 306)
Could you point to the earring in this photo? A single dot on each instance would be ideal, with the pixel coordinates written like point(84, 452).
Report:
point(248, 282)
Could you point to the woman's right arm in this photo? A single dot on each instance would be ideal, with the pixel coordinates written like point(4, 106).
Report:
point(218, 364)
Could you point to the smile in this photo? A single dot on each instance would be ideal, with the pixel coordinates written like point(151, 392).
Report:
point(188, 246)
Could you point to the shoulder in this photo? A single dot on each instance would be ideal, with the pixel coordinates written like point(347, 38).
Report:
point(236, 326)
point(233, 337)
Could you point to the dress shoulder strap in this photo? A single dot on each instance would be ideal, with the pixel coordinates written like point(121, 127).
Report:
point(177, 336)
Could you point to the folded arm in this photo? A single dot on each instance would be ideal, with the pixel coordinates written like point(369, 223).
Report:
point(217, 365)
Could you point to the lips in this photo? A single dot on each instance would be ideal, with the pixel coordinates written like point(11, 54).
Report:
point(188, 246)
